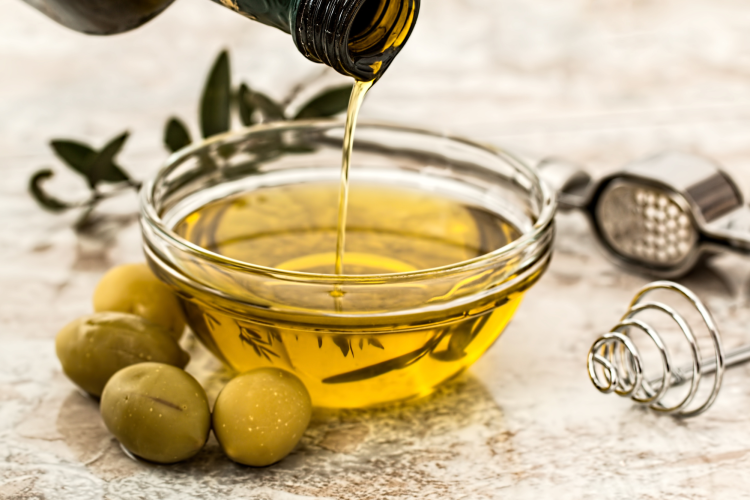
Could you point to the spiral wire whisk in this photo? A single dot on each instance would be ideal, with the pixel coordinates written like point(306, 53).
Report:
point(616, 365)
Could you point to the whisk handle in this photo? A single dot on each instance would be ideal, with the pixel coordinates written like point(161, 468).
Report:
point(683, 374)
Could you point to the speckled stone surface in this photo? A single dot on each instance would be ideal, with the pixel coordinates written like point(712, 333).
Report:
point(601, 82)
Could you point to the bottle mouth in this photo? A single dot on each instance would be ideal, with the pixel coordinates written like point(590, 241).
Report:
point(358, 38)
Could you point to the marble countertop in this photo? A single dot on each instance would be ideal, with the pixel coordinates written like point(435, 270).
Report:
point(600, 82)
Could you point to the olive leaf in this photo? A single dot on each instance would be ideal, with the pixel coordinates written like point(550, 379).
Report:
point(246, 106)
point(40, 195)
point(297, 149)
point(326, 104)
point(226, 151)
point(176, 135)
point(103, 168)
point(211, 321)
point(343, 343)
point(398, 363)
point(76, 155)
point(375, 343)
point(81, 157)
point(370, 341)
point(461, 335)
point(216, 99)
point(260, 345)
point(269, 110)
point(206, 165)
point(87, 220)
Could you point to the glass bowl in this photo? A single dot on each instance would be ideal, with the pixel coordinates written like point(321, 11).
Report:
point(398, 335)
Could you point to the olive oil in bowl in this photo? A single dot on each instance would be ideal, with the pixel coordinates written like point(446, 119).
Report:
point(443, 237)
point(390, 229)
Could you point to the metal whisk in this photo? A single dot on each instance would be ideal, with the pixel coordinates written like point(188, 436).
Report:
point(616, 365)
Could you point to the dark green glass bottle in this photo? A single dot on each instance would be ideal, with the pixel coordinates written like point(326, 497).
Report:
point(359, 38)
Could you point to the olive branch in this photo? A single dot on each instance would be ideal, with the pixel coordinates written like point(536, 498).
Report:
point(261, 346)
point(106, 178)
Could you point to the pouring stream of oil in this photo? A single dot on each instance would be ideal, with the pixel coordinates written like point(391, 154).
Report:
point(359, 91)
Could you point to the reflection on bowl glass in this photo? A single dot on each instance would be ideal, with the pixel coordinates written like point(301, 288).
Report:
point(443, 238)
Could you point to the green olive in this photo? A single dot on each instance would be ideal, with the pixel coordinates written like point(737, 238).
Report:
point(93, 348)
point(133, 288)
point(260, 416)
point(158, 412)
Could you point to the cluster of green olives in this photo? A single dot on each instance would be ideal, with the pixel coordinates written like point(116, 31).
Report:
point(127, 354)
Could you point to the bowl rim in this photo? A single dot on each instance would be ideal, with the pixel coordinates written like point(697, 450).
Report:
point(542, 226)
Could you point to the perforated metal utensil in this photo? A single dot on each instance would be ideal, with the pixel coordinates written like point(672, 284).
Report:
point(659, 215)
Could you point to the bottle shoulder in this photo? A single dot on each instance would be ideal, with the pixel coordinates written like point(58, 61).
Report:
point(101, 17)
point(276, 13)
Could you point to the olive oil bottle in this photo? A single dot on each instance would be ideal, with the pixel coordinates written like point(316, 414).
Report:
point(358, 38)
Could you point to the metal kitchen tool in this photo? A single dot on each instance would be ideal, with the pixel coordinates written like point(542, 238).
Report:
point(615, 364)
point(659, 215)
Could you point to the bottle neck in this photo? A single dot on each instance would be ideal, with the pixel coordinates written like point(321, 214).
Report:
point(358, 38)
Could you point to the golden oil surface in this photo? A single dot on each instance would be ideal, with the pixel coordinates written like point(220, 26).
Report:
point(389, 230)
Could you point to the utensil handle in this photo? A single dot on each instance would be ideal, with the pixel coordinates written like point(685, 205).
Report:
point(732, 231)
point(571, 183)
point(684, 373)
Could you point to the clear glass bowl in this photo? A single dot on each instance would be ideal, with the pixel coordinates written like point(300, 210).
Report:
point(402, 333)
